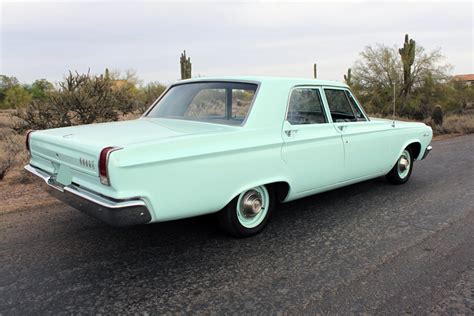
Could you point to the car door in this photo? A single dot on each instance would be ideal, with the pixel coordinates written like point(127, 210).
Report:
point(367, 145)
point(312, 148)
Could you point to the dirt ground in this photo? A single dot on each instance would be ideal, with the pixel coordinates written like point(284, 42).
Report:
point(17, 196)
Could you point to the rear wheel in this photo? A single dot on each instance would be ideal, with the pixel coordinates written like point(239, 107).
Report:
point(248, 213)
point(402, 169)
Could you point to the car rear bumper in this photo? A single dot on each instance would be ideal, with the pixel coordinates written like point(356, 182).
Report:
point(114, 212)
point(427, 151)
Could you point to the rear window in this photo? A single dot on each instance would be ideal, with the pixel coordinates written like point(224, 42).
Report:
point(213, 102)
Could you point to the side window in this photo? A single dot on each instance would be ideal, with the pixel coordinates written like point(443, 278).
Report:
point(357, 110)
point(341, 109)
point(305, 107)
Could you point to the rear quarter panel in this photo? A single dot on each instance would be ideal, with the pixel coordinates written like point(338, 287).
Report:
point(196, 176)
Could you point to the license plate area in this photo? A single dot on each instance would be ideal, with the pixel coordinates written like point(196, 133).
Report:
point(64, 175)
point(61, 176)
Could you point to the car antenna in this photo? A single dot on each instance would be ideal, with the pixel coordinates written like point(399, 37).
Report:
point(393, 114)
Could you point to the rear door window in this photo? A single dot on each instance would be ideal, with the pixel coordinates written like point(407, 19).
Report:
point(306, 107)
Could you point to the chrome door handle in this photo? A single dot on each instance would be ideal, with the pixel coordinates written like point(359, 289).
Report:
point(342, 127)
point(290, 132)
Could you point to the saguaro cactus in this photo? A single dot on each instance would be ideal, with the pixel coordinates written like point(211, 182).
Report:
point(348, 77)
point(407, 53)
point(185, 66)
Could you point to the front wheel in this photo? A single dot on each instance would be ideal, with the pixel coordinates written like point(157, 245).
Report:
point(402, 169)
point(248, 213)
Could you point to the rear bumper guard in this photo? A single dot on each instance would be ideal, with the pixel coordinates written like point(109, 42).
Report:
point(114, 212)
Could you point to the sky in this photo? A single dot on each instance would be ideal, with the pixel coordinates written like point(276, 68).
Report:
point(46, 39)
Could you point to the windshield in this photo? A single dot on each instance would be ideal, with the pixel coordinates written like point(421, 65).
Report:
point(214, 102)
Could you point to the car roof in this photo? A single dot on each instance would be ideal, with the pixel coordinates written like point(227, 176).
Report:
point(265, 79)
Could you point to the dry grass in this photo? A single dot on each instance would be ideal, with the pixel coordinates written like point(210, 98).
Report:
point(453, 124)
point(17, 190)
point(5, 118)
point(13, 156)
point(19, 196)
point(456, 124)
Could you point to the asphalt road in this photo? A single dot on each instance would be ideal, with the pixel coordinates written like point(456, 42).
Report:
point(368, 248)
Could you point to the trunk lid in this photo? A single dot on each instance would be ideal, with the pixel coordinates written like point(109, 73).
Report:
point(78, 147)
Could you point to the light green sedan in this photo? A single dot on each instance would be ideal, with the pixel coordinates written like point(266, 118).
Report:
point(235, 146)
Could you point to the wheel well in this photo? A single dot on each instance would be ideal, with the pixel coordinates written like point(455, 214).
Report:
point(281, 189)
point(415, 148)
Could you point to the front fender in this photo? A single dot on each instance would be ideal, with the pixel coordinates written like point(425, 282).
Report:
point(423, 141)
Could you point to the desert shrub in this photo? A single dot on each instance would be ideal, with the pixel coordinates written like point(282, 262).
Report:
point(150, 93)
point(80, 99)
point(457, 124)
point(12, 151)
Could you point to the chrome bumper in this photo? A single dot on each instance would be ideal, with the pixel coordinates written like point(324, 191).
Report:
point(427, 151)
point(113, 212)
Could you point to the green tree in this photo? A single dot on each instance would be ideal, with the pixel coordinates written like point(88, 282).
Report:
point(380, 69)
point(459, 96)
point(373, 77)
point(16, 97)
point(6, 83)
point(40, 88)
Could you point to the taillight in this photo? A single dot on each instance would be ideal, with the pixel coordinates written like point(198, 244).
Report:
point(103, 164)
point(27, 139)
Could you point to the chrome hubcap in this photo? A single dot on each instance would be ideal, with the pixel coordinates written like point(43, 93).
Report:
point(404, 164)
point(251, 203)
point(252, 206)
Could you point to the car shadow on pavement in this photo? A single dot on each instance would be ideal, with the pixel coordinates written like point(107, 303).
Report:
point(319, 209)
